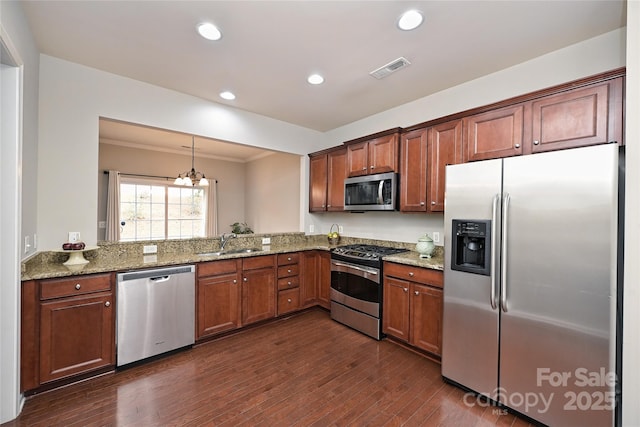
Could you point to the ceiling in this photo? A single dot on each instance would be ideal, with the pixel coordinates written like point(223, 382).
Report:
point(268, 48)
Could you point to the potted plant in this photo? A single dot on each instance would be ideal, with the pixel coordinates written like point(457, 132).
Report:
point(241, 228)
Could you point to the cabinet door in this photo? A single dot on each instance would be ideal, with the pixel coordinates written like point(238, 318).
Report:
point(426, 318)
point(383, 154)
point(258, 295)
point(218, 304)
point(395, 308)
point(288, 301)
point(77, 335)
point(318, 183)
point(337, 171)
point(413, 171)
point(570, 119)
point(309, 280)
point(358, 159)
point(324, 278)
point(494, 134)
point(445, 148)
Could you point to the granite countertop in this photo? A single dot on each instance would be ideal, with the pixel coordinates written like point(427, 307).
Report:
point(117, 257)
point(436, 262)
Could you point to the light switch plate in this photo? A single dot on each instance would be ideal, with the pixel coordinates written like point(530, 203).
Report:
point(266, 240)
point(436, 237)
point(150, 249)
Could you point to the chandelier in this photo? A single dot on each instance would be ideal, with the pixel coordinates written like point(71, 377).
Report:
point(191, 177)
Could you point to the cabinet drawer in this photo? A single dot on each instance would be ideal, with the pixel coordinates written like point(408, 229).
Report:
point(288, 282)
point(215, 268)
point(288, 270)
point(288, 300)
point(414, 274)
point(253, 263)
point(70, 286)
point(285, 259)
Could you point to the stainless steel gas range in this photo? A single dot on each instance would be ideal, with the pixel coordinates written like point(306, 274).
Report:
point(356, 286)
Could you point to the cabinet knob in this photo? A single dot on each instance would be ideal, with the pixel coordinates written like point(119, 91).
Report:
point(433, 202)
point(517, 145)
point(78, 286)
point(289, 300)
point(405, 289)
point(536, 142)
point(288, 270)
point(244, 279)
point(411, 274)
point(235, 281)
point(421, 203)
point(288, 283)
point(371, 167)
point(328, 206)
point(288, 258)
point(107, 304)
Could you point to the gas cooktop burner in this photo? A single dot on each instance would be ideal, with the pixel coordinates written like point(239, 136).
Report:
point(366, 251)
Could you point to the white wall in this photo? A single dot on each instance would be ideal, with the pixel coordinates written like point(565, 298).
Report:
point(72, 97)
point(589, 57)
point(272, 193)
point(631, 334)
point(20, 197)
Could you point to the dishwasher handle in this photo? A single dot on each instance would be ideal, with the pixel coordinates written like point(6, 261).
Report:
point(156, 273)
point(159, 279)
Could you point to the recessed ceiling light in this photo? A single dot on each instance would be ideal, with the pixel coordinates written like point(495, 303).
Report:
point(227, 95)
point(209, 31)
point(410, 20)
point(315, 79)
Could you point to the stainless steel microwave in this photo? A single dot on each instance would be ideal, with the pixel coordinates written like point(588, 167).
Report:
point(371, 192)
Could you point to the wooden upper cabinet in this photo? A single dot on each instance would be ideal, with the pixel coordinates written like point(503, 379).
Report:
point(494, 134)
point(327, 171)
point(377, 155)
point(444, 148)
point(413, 171)
point(579, 117)
point(337, 172)
point(318, 183)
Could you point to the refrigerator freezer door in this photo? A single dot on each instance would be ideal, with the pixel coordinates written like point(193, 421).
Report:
point(470, 318)
point(557, 334)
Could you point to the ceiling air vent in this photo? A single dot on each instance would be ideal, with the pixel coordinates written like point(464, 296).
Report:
point(389, 68)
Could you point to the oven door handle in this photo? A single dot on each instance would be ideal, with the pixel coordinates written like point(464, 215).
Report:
point(354, 269)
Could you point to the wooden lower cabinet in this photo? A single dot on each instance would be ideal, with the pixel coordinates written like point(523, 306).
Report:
point(67, 328)
point(316, 279)
point(288, 283)
point(324, 278)
point(412, 306)
point(218, 297)
point(258, 288)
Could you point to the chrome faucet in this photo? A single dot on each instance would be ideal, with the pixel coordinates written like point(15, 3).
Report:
point(225, 238)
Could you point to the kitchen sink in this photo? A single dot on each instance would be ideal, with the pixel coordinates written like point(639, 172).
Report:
point(230, 252)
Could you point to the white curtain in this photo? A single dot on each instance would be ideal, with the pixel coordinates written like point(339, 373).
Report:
point(113, 207)
point(212, 208)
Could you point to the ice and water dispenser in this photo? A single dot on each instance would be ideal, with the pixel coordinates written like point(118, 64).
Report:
point(471, 251)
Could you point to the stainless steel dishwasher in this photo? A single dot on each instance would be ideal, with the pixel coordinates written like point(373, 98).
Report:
point(155, 312)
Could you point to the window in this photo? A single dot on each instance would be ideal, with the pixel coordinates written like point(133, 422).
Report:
point(157, 211)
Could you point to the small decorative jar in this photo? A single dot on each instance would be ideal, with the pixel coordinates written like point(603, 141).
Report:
point(425, 246)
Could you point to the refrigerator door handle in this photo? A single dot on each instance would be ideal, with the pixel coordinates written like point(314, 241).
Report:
point(494, 258)
point(503, 273)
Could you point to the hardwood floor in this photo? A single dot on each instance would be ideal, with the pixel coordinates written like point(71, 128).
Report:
point(306, 370)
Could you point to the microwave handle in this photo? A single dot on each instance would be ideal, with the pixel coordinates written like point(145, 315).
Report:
point(380, 188)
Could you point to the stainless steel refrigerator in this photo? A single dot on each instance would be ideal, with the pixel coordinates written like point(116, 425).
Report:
point(530, 283)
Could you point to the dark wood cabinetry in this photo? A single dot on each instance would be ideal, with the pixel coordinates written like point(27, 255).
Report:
point(424, 154)
point(327, 172)
point(570, 118)
point(288, 283)
point(258, 288)
point(376, 155)
point(494, 134)
point(316, 278)
point(68, 328)
point(324, 278)
point(218, 297)
point(576, 118)
point(412, 306)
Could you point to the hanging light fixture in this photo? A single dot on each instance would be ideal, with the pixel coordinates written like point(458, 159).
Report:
point(192, 177)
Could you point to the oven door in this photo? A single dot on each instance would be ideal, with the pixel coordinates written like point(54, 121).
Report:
point(356, 286)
